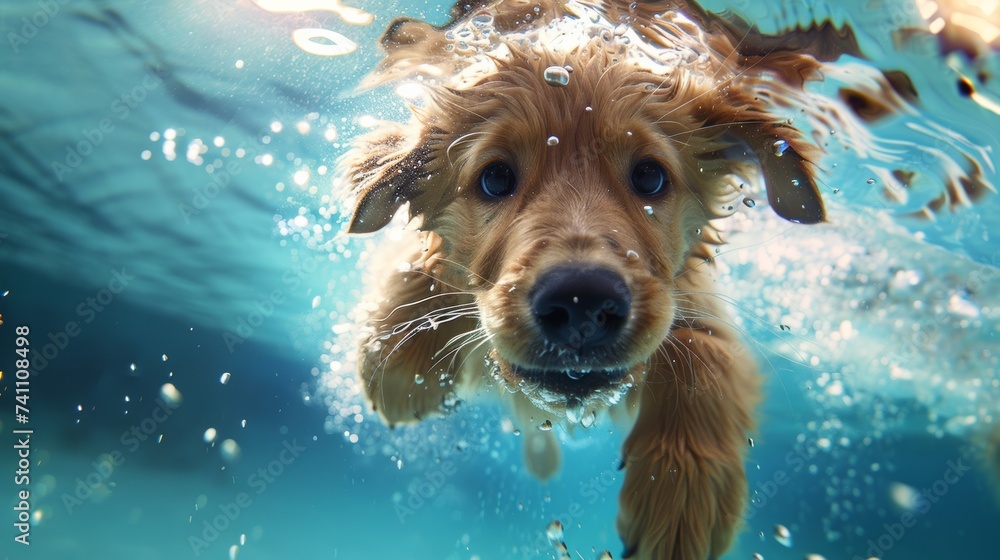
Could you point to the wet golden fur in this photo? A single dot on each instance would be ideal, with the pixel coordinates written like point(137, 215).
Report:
point(461, 298)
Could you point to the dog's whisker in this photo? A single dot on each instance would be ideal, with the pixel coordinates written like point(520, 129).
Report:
point(454, 288)
point(408, 304)
point(467, 269)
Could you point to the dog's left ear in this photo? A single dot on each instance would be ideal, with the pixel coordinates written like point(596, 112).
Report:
point(788, 176)
point(382, 171)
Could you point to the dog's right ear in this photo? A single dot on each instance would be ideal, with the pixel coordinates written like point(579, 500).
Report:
point(382, 172)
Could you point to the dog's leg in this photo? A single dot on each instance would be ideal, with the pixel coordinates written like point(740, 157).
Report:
point(685, 484)
point(410, 355)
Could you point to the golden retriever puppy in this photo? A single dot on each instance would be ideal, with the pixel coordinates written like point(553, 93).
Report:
point(563, 174)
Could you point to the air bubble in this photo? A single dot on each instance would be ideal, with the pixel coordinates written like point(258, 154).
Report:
point(556, 76)
point(779, 147)
point(870, 181)
point(171, 395)
point(225, 378)
point(545, 426)
point(552, 141)
point(749, 202)
point(418, 379)
point(648, 209)
point(782, 535)
point(230, 451)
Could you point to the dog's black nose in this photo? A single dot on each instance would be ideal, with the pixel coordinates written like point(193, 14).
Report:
point(580, 307)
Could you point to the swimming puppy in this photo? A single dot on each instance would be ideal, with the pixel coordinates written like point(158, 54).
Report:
point(563, 174)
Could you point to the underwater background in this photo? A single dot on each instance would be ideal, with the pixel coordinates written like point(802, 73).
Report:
point(169, 237)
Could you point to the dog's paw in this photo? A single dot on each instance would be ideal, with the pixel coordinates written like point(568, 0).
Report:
point(680, 507)
point(399, 384)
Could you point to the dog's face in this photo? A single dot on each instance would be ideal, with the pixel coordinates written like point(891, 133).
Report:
point(571, 210)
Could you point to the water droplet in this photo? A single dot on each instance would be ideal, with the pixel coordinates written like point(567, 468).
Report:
point(779, 147)
point(631, 255)
point(795, 182)
point(783, 535)
point(588, 109)
point(870, 181)
point(552, 141)
point(784, 327)
point(234, 551)
point(758, 556)
point(225, 378)
point(750, 441)
point(545, 426)
point(556, 76)
point(418, 379)
point(554, 531)
point(164, 357)
point(749, 202)
point(209, 436)
point(171, 395)
point(648, 209)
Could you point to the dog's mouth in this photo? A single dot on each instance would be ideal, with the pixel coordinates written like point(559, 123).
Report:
point(564, 391)
point(573, 383)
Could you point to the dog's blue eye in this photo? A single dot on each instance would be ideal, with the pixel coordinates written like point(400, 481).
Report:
point(498, 180)
point(649, 177)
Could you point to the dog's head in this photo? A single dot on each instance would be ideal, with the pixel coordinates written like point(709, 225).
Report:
point(572, 177)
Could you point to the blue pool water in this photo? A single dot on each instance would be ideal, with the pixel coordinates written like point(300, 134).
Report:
point(135, 268)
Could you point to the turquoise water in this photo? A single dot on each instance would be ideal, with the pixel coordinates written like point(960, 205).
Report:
point(877, 333)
